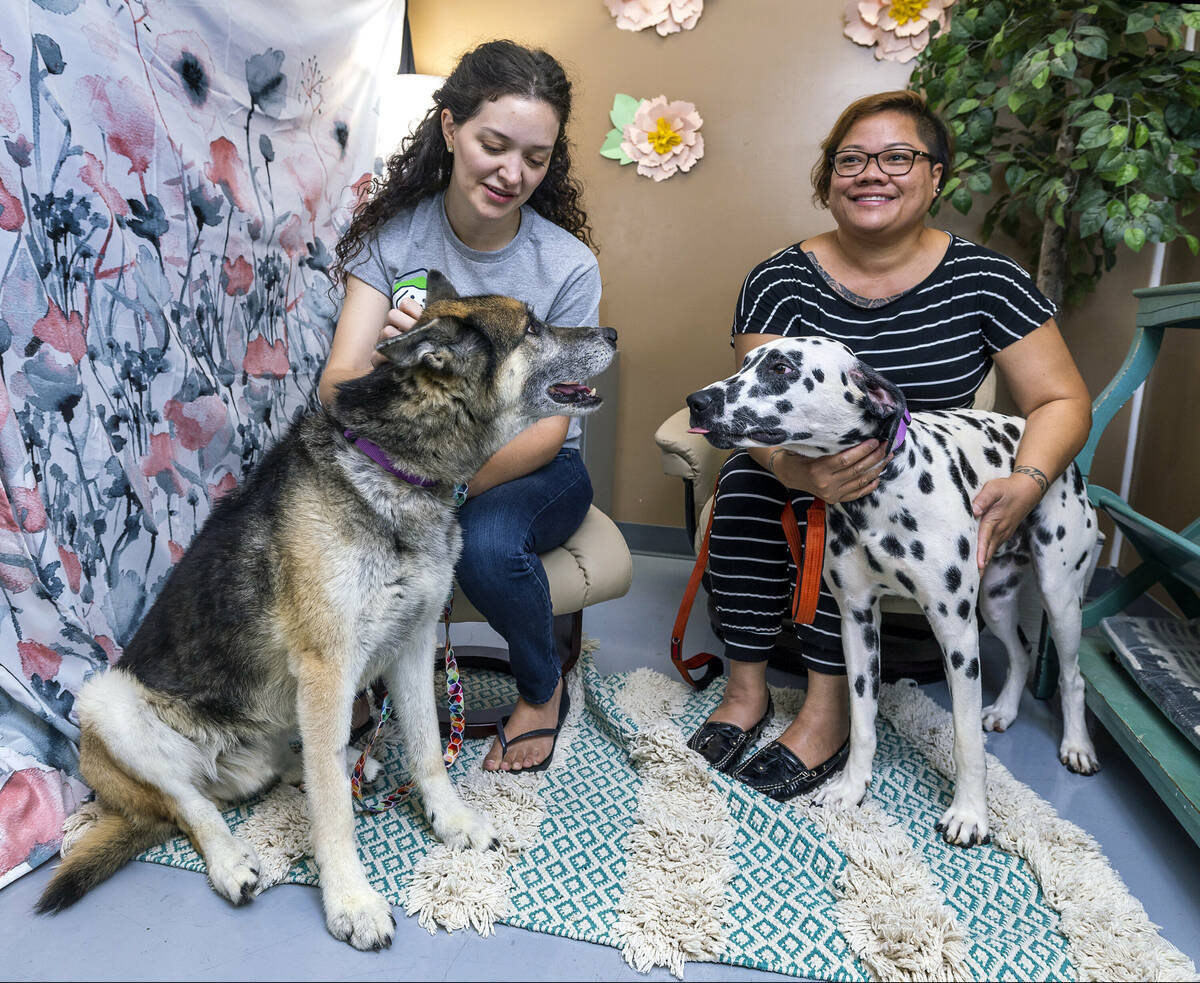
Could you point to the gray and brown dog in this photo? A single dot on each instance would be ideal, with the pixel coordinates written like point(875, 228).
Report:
point(915, 536)
point(326, 569)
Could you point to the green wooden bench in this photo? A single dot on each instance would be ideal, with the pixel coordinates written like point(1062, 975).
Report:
point(1170, 762)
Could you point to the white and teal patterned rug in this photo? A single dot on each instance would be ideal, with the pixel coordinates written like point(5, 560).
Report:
point(629, 840)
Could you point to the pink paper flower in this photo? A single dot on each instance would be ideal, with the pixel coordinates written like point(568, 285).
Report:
point(664, 138)
point(899, 29)
point(665, 16)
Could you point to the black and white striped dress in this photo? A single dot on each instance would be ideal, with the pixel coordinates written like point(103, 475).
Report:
point(935, 341)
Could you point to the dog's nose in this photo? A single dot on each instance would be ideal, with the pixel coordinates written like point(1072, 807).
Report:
point(610, 335)
point(699, 402)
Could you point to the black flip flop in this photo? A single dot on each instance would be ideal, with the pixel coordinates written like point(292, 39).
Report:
point(564, 706)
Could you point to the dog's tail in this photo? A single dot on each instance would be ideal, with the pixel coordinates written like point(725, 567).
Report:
point(108, 844)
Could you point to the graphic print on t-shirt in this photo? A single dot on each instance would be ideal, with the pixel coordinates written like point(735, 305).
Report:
point(411, 284)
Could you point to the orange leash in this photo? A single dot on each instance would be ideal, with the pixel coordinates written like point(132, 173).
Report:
point(804, 597)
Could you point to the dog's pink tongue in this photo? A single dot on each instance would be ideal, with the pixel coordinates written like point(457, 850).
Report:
point(697, 430)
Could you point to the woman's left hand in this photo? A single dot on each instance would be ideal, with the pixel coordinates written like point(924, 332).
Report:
point(1000, 506)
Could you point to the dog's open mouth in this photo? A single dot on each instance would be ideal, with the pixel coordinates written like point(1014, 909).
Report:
point(574, 394)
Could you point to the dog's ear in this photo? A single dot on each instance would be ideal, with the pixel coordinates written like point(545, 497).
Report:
point(437, 344)
point(438, 287)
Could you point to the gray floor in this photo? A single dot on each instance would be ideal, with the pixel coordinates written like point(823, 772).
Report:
point(152, 923)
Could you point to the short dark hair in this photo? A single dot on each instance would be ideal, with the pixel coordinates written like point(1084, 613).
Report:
point(938, 139)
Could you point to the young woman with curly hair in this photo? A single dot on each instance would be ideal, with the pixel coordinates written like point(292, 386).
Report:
point(482, 191)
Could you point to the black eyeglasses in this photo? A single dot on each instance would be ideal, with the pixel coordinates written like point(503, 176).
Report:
point(894, 161)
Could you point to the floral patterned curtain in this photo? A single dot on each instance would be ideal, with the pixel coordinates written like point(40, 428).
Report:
point(172, 181)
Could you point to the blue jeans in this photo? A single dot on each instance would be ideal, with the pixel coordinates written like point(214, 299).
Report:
point(504, 530)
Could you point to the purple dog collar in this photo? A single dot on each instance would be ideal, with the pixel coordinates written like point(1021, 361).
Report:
point(901, 432)
point(377, 454)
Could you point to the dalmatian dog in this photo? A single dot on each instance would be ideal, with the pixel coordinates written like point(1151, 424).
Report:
point(915, 536)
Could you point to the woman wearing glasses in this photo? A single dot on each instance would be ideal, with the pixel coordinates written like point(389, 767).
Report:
point(930, 311)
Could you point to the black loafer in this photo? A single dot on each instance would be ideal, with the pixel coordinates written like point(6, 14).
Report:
point(722, 744)
point(777, 772)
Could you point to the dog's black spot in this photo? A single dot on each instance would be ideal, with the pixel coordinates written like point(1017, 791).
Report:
point(870, 636)
point(917, 549)
point(967, 470)
point(783, 405)
point(956, 659)
point(1077, 480)
point(808, 384)
point(971, 421)
point(819, 375)
point(953, 579)
point(964, 548)
point(1044, 535)
point(845, 380)
point(1060, 533)
point(892, 546)
point(942, 609)
point(957, 481)
point(1012, 430)
point(834, 578)
point(1000, 439)
point(861, 615)
point(1089, 522)
point(875, 687)
point(871, 561)
point(1006, 586)
point(927, 454)
point(992, 456)
point(972, 670)
point(964, 609)
point(853, 436)
point(836, 547)
point(925, 482)
point(906, 582)
point(1083, 558)
point(912, 458)
point(860, 685)
point(847, 396)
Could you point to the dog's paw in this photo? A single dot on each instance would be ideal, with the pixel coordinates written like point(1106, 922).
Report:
point(464, 829)
point(844, 791)
point(362, 917)
point(233, 872)
point(1079, 757)
point(961, 826)
point(998, 718)
point(372, 769)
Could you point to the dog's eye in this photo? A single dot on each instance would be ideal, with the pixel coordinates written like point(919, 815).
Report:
point(533, 328)
point(783, 368)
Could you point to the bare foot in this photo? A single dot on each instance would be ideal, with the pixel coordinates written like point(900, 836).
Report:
point(528, 753)
point(746, 695)
point(823, 723)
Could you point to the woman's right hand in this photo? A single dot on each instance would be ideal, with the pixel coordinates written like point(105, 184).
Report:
point(840, 477)
point(399, 320)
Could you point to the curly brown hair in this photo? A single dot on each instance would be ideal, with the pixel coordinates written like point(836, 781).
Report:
point(422, 165)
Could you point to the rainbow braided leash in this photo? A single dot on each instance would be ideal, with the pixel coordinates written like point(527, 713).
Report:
point(454, 701)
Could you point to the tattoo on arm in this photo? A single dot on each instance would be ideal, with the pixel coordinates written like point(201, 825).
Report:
point(1035, 474)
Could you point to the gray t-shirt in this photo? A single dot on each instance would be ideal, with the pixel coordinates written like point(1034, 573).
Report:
point(544, 266)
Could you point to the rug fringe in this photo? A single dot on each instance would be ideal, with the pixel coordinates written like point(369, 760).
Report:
point(1109, 935)
point(675, 902)
point(456, 888)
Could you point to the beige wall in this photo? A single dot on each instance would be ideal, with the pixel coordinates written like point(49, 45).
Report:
point(769, 77)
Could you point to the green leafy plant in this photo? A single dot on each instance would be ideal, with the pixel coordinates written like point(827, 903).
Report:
point(1084, 117)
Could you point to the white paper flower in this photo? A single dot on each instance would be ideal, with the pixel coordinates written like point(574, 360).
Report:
point(665, 16)
point(899, 29)
point(664, 137)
